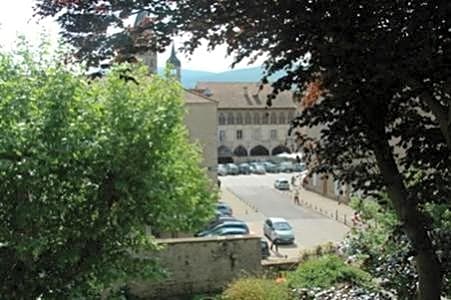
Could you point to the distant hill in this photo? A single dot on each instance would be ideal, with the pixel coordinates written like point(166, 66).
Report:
point(191, 77)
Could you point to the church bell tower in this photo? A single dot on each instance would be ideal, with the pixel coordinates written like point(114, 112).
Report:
point(175, 63)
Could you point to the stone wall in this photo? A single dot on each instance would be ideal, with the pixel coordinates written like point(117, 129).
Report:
point(201, 265)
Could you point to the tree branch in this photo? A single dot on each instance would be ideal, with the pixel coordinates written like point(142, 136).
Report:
point(440, 113)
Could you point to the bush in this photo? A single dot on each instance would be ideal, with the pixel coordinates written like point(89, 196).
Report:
point(327, 271)
point(256, 289)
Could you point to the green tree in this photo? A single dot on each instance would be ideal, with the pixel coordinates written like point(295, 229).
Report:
point(84, 167)
point(383, 67)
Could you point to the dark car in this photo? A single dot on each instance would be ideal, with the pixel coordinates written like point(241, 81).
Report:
point(219, 220)
point(228, 224)
point(224, 208)
point(286, 167)
point(270, 167)
point(232, 169)
point(244, 168)
point(229, 231)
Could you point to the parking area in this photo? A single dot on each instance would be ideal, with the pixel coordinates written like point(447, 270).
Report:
point(253, 199)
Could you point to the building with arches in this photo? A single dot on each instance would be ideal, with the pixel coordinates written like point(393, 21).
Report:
point(247, 128)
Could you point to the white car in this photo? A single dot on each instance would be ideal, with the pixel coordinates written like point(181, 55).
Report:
point(282, 184)
point(278, 230)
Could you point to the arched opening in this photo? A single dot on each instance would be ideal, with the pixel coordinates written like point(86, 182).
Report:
point(259, 151)
point(224, 154)
point(280, 149)
point(240, 151)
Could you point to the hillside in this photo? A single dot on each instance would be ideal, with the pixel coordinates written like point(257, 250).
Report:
point(190, 77)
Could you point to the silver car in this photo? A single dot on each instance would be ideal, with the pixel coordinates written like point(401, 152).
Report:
point(278, 230)
point(282, 184)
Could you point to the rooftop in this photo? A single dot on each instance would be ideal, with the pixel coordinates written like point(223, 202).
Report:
point(243, 95)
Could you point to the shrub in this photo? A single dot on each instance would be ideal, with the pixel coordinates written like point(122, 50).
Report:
point(256, 289)
point(327, 271)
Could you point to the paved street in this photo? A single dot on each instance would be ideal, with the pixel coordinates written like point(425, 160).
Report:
point(253, 198)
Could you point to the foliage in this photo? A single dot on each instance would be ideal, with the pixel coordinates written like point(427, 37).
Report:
point(327, 271)
point(386, 252)
point(84, 166)
point(383, 72)
point(256, 289)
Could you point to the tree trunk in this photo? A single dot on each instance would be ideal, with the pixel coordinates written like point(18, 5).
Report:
point(427, 263)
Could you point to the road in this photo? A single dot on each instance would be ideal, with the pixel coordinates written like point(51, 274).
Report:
point(257, 192)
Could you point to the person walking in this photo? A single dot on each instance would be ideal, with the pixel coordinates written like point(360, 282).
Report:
point(275, 244)
point(296, 197)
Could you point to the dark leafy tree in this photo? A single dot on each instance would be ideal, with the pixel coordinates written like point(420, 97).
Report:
point(383, 67)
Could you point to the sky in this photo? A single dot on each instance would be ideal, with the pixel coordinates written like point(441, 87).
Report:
point(16, 17)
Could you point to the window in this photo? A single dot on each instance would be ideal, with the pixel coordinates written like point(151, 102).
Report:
point(273, 134)
point(256, 118)
point(315, 179)
point(273, 118)
point(239, 118)
point(222, 119)
point(230, 119)
point(248, 118)
point(282, 118)
point(239, 134)
point(265, 118)
point(221, 135)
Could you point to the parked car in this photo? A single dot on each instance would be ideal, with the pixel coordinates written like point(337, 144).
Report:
point(232, 169)
point(298, 167)
point(282, 184)
point(224, 208)
point(270, 167)
point(221, 220)
point(228, 224)
point(278, 230)
point(258, 168)
point(244, 168)
point(265, 248)
point(285, 167)
point(222, 170)
point(229, 231)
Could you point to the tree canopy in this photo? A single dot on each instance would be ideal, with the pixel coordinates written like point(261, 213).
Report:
point(84, 167)
point(383, 68)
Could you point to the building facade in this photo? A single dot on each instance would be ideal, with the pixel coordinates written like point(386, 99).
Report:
point(247, 128)
point(200, 119)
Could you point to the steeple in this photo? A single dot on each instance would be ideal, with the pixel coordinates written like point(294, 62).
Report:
point(175, 63)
